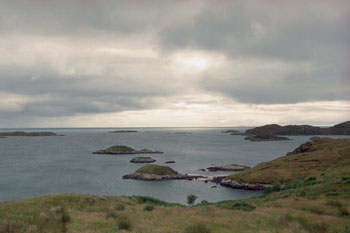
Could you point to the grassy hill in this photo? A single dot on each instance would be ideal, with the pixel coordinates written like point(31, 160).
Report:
point(323, 153)
point(317, 201)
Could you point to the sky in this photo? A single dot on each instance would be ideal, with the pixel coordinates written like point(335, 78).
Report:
point(162, 63)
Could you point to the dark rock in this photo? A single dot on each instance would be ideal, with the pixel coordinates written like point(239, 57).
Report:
point(31, 134)
point(142, 160)
point(306, 147)
point(170, 161)
point(227, 168)
point(213, 186)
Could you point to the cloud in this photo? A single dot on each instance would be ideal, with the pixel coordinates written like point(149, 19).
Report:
point(80, 59)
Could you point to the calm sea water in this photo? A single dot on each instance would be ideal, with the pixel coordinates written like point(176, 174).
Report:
point(32, 166)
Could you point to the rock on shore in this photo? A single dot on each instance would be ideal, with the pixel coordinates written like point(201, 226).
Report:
point(228, 168)
point(247, 186)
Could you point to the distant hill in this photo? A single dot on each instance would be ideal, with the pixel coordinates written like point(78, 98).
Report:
point(274, 129)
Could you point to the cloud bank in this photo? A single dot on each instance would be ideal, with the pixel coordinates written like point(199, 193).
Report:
point(140, 63)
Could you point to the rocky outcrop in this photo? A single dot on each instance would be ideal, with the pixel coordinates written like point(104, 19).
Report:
point(228, 168)
point(247, 186)
point(155, 177)
point(306, 147)
point(142, 160)
point(171, 161)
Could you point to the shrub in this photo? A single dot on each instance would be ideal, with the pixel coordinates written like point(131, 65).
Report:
point(124, 223)
point(191, 199)
point(243, 206)
point(197, 228)
point(343, 211)
point(148, 208)
point(150, 200)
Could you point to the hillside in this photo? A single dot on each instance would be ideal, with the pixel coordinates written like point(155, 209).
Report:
point(321, 153)
point(274, 129)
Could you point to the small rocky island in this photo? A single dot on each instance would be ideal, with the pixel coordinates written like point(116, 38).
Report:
point(120, 150)
point(32, 134)
point(228, 168)
point(232, 132)
point(157, 173)
point(265, 137)
point(142, 160)
point(124, 131)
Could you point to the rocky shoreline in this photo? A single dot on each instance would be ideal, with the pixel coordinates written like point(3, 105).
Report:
point(246, 186)
point(155, 177)
point(228, 168)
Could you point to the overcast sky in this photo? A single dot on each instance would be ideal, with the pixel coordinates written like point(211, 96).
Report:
point(108, 63)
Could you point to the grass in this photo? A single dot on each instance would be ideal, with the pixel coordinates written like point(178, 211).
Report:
point(327, 153)
point(156, 169)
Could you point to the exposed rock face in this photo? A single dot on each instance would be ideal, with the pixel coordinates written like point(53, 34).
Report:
point(155, 177)
point(32, 134)
point(142, 160)
point(235, 185)
point(232, 167)
point(306, 147)
point(274, 129)
point(265, 137)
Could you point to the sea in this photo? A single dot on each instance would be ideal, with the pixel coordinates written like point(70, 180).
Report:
point(31, 166)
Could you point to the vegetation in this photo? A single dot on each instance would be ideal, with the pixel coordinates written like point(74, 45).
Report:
point(326, 152)
point(197, 228)
point(148, 208)
point(274, 129)
point(22, 133)
point(191, 199)
point(265, 137)
point(157, 170)
point(118, 149)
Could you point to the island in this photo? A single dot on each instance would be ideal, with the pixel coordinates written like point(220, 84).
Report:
point(116, 150)
point(232, 132)
point(228, 168)
point(124, 131)
point(265, 137)
point(32, 134)
point(275, 129)
point(154, 172)
point(318, 154)
point(142, 160)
